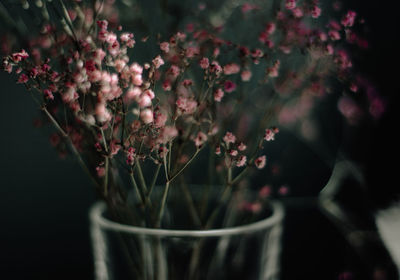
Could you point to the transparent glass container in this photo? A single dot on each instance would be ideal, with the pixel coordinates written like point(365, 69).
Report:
point(236, 251)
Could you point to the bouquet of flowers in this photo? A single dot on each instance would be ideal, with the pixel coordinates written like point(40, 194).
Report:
point(150, 113)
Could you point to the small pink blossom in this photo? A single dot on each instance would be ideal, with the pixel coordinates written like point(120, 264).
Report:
point(133, 93)
point(215, 68)
point(146, 116)
point(144, 101)
point(241, 161)
point(246, 75)
point(283, 190)
point(102, 114)
point(229, 138)
point(247, 7)
point(265, 191)
point(269, 135)
point(48, 94)
point(290, 4)
point(218, 94)
point(229, 86)
point(160, 120)
point(254, 207)
point(232, 68)
point(23, 79)
point(315, 12)
point(17, 57)
point(157, 62)
point(200, 139)
point(119, 65)
point(204, 63)
point(349, 18)
point(130, 155)
point(349, 109)
point(242, 147)
point(233, 153)
point(166, 85)
point(260, 162)
point(218, 150)
point(334, 35)
point(273, 71)
point(174, 71)
point(101, 171)
point(297, 12)
point(167, 133)
point(164, 46)
point(186, 105)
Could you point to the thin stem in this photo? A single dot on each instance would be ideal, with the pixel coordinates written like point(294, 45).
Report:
point(105, 183)
point(104, 140)
point(186, 165)
point(153, 182)
point(141, 177)
point(135, 186)
point(162, 206)
point(73, 148)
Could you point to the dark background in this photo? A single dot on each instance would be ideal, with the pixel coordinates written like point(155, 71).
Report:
point(44, 200)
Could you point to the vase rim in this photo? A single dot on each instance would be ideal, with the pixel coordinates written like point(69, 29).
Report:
point(97, 210)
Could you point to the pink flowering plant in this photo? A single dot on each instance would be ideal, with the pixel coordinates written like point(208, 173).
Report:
point(210, 96)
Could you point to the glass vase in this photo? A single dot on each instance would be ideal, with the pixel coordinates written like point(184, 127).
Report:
point(234, 251)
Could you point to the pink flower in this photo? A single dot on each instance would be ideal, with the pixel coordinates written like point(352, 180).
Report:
point(158, 61)
point(348, 19)
point(297, 12)
point(334, 35)
point(146, 116)
point(174, 71)
point(218, 94)
point(260, 162)
point(273, 71)
point(166, 85)
point(17, 57)
point(233, 153)
point(119, 65)
point(290, 4)
point(349, 109)
point(241, 161)
point(164, 46)
point(284, 190)
point(200, 139)
point(48, 94)
point(229, 138)
point(218, 150)
point(204, 63)
point(232, 68)
point(130, 155)
point(265, 191)
point(101, 171)
point(315, 12)
point(269, 135)
point(167, 133)
point(242, 147)
point(160, 120)
point(132, 93)
point(186, 106)
point(23, 79)
point(246, 75)
point(229, 86)
point(270, 28)
point(144, 101)
point(215, 68)
point(102, 114)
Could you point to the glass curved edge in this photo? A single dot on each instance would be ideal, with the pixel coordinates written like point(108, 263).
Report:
point(97, 210)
